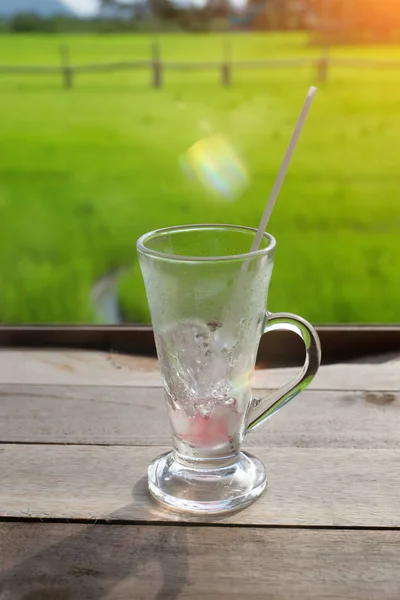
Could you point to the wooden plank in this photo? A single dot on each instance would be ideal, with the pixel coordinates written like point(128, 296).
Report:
point(367, 63)
point(328, 487)
point(127, 65)
point(243, 64)
point(76, 367)
point(340, 343)
point(63, 562)
point(275, 63)
point(21, 70)
point(191, 67)
point(138, 416)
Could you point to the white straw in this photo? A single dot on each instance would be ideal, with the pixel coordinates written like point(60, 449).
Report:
point(284, 167)
point(231, 312)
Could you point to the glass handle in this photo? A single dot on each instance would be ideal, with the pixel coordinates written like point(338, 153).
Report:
point(259, 412)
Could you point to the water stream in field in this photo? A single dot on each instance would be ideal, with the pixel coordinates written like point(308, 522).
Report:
point(104, 299)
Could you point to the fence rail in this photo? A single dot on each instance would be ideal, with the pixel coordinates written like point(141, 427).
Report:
point(225, 66)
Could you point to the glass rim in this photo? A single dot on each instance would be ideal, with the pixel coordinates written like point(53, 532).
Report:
point(143, 249)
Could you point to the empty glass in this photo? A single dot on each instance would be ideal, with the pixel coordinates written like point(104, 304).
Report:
point(207, 296)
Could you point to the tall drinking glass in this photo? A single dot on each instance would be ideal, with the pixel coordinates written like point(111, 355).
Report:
point(207, 296)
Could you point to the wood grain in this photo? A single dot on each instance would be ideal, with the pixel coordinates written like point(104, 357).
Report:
point(87, 426)
point(73, 562)
point(138, 416)
point(76, 367)
point(307, 487)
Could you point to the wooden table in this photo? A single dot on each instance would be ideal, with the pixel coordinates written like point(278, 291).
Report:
point(77, 431)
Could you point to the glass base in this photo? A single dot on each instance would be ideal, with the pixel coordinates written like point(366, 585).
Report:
point(206, 489)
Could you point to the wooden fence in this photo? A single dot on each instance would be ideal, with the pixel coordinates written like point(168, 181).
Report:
point(225, 66)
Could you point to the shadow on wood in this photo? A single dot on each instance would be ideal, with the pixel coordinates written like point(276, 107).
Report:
point(80, 562)
point(89, 562)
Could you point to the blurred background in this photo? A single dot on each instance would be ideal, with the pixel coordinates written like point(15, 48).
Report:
point(120, 117)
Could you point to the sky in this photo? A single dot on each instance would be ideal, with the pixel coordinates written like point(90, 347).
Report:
point(89, 7)
point(82, 7)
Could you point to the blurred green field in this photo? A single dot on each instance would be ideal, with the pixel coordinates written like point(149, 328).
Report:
point(83, 173)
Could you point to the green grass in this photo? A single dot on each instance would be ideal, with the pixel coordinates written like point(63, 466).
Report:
point(84, 173)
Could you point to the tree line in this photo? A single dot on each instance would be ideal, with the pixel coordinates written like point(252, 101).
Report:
point(144, 15)
point(335, 21)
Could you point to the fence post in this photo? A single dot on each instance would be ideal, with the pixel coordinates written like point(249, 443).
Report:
point(156, 65)
point(66, 69)
point(325, 33)
point(323, 65)
point(226, 66)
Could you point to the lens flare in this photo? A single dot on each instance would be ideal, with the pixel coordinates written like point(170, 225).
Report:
point(213, 162)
